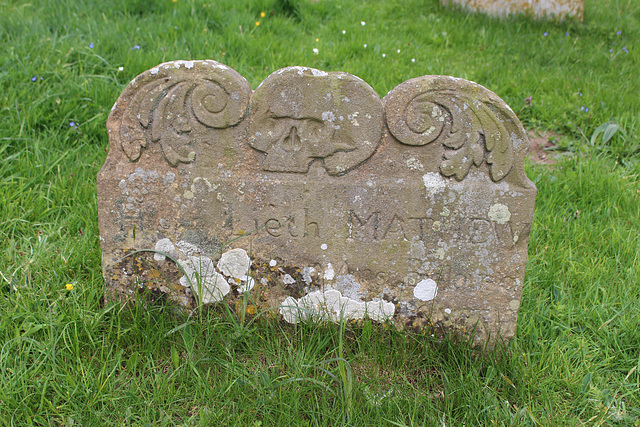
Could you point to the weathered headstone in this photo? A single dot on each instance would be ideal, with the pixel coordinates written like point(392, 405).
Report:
point(559, 9)
point(317, 197)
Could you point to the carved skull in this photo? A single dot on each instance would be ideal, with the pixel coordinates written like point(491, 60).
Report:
point(299, 115)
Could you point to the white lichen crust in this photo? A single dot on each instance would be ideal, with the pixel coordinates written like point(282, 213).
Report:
point(201, 276)
point(234, 263)
point(331, 305)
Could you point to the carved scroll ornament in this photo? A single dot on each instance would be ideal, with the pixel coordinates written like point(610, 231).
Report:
point(472, 123)
point(180, 104)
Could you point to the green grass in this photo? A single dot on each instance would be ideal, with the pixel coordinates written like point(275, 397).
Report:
point(67, 359)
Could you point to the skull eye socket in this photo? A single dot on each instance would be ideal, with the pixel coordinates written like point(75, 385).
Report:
point(277, 124)
point(314, 127)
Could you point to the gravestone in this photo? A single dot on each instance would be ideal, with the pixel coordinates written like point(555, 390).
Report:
point(559, 9)
point(318, 198)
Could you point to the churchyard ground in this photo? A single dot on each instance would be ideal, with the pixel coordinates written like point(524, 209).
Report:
point(66, 358)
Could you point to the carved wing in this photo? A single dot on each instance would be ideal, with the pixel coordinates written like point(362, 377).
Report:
point(473, 125)
point(177, 105)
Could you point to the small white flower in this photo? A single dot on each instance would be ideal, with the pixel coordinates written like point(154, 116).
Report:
point(384, 55)
point(365, 45)
point(120, 68)
point(413, 59)
point(315, 50)
point(344, 31)
point(363, 23)
point(398, 50)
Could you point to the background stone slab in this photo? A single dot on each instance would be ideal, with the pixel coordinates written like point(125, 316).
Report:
point(538, 8)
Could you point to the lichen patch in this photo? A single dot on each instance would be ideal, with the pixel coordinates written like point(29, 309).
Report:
point(434, 183)
point(331, 305)
point(201, 276)
point(426, 290)
point(163, 245)
point(234, 263)
point(499, 213)
point(329, 273)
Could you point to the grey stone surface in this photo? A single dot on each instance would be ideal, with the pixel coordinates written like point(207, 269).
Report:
point(318, 198)
point(559, 9)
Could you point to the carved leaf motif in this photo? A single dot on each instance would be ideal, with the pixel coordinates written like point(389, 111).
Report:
point(471, 123)
point(477, 135)
point(458, 162)
point(497, 141)
point(133, 149)
point(180, 108)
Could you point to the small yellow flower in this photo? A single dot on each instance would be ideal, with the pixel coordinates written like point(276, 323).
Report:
point(174, 1)
point(69, 286)
point(262, 14)
point(317, 40)
point(257, 23)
